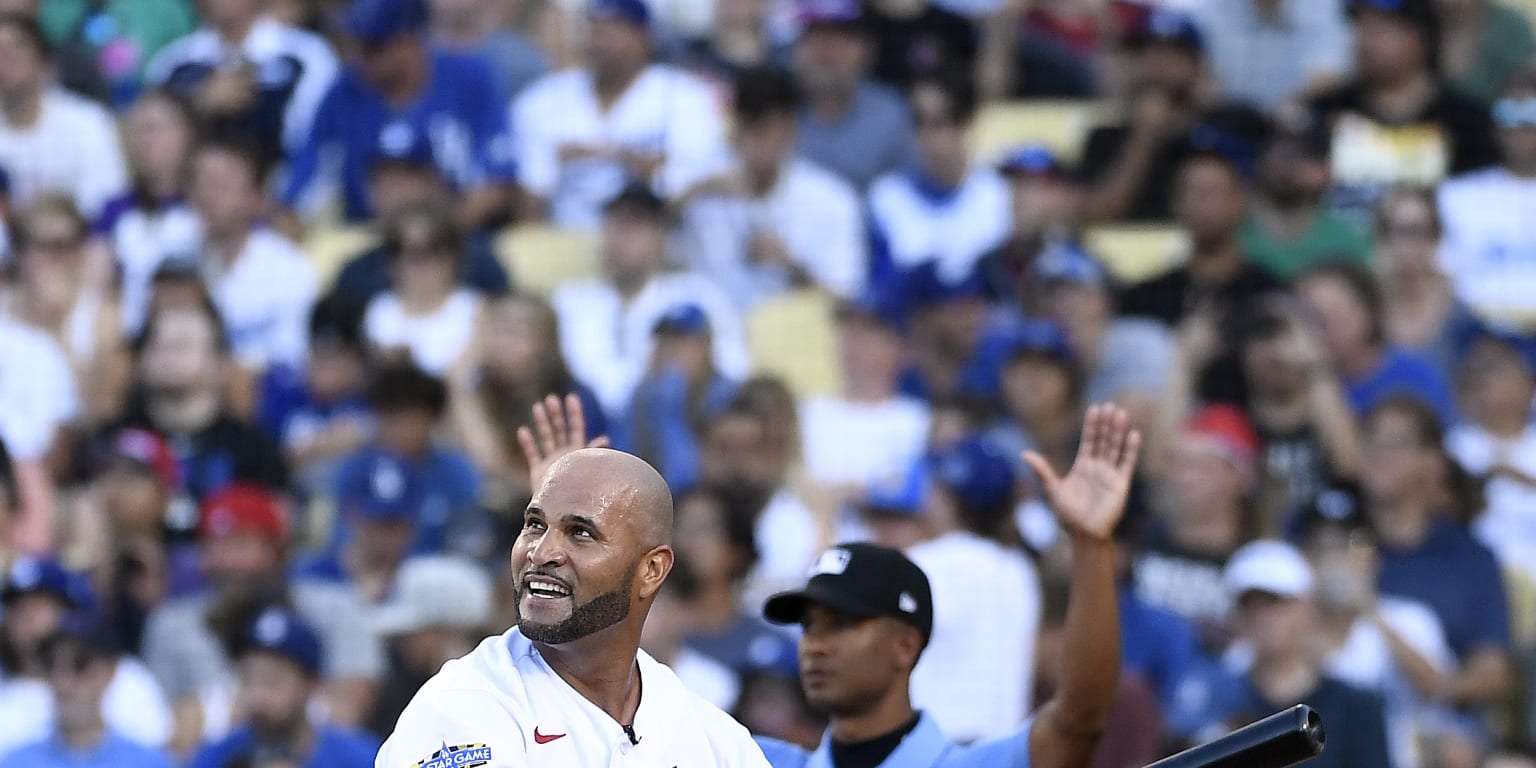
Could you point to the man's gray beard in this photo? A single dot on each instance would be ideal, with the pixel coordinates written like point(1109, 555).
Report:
point(595, 615)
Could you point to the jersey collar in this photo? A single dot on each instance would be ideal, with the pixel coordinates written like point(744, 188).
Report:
point(922, 748)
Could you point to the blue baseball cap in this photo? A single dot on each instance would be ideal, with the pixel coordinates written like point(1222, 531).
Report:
point(633, 11)
point(401, 144)
point(374, 22)
point(1169, 27)
point(925, 286)
point(683, 318)
point(898, 493)
point(880, 303)
point(282, 632)
point(1067, 262)
point(1038, 337)
point(975, 471)
point(387, 491)
point(1209, 141)
point(829, 13)
point(36, 575)
point(1030, 160)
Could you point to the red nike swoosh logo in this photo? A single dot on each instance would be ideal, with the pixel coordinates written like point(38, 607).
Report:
point(539, 738)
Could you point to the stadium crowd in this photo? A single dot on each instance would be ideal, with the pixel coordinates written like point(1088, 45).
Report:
point(283, 278)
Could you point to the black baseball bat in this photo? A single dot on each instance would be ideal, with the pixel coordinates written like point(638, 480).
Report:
point(1278, 741)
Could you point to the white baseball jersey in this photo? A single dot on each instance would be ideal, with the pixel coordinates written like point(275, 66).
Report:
point(502, 706)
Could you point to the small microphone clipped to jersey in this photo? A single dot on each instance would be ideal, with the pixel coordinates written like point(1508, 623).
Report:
point(629, 730)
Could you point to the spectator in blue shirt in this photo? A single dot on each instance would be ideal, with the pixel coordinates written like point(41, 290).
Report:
point(673, 403)
point(958, 344)
point(1348, 304)
point(400, 87)
point(279, 670)
point(80, 662)
point(1427, 556)
point(408, 405)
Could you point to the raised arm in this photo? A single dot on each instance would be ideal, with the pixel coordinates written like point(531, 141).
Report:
point(558, 429)
point(1088, 502)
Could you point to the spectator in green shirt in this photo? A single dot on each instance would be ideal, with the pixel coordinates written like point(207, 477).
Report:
point(1288, 229)
point(110, 41)
point(1482, 43)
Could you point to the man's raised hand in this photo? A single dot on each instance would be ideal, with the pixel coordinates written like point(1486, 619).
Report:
point(1091, 498)
point(558, 429)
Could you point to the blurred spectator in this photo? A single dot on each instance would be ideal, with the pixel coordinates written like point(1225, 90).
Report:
point(1131, 168)
point(855, 128)
point(664, 636)
point(772, 704)
point(104, 47)
point(1307, 433)
point(1482, 44)
point(1045, 199)
point(1274, 592)
point(279, 661)
point(52, 141)
point(190, 641)
point(1054, 49)
point(718, 542)
point(519, 364)
point(868, 430)
point(738, 41)
point(402, 87)
point(606, 326)
point(427, 317)
point(775, 220)
point(56, 293)
point(403, 179)
point(1396, 121)
point(328, 416)
point(42, 402)
point(977, 674)
point(1429, 558)
point(478, 28)
point(1270, 52)
point(1488, 237)
point(80, 662)
point(261, 281)
point(437, 610)
point(406, 472)
point(1497, 440)
point(1422, 312)
point(249, 74)
point(378, 512)
point(955, 340)
point(1288, 229)
point(1205, 517)
point(152, 223)
point(1040, 387)
point(680, 393)
point(943, 210)
point(1347, 303)
point(916, 38)
point(585, 133)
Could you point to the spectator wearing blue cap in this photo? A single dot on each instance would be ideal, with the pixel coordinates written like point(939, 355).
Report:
point(1271, 53)
point(953, 334)
point(681, 390)
point(249, 73)
point(586, 132)
point(857, 128)
point(380, 507)
point(1496, 440)
point(1430, 131)
point(943, 209)
point(1130, 167)
point(279, 668)
point(1045, 207)
point(403, 85)
point(775, 220)
point(1039, 387)
point(893, 507)
point(1288, 228)
point(977, 674)
point(479, 28)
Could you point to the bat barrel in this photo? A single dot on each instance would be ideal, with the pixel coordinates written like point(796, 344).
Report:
point(1278, 741)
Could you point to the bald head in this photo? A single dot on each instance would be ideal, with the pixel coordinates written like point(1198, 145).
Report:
point(631, 490)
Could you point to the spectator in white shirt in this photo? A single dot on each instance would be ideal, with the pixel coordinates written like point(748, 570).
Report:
point(427, 315)
point(1489, 247)
point(52, 141)
point(262, 284)
point(776, 220)
point(584, 133)
point(606, 325)
point(945, 210)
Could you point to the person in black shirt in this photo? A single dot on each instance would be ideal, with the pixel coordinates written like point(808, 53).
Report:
point(914, 37)
point(1130, 167)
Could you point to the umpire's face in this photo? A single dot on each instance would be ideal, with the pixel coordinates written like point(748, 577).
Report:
point(853, 664)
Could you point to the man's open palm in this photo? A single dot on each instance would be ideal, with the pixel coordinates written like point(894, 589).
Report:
point(1091, 498)
point(558, 429)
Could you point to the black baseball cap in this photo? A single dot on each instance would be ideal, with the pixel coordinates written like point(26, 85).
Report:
point(864, 580)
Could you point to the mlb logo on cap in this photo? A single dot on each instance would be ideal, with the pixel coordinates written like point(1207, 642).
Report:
point(832, 561)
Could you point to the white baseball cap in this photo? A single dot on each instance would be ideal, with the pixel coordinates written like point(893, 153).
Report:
point(1268, 566)
point(435, 591)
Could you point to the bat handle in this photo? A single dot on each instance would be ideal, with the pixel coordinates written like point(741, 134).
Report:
point(1278, 741)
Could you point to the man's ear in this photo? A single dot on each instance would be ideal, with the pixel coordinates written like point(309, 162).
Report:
point(909, 644)
point(654, 567)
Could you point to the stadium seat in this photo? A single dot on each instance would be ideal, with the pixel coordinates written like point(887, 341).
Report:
point(791, 336)
point(329, 249)
point(1060, 125)
point(541, 258)
point(1135, 252)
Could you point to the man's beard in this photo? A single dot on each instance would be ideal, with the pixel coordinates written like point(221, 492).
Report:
point(595, 615)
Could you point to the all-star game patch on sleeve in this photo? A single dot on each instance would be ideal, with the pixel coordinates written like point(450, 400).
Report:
point(458, 756)
point(453, 729)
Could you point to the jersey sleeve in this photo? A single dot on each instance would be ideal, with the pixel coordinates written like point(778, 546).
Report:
point(444, 728)
point(781, 754)
point(1010, 751)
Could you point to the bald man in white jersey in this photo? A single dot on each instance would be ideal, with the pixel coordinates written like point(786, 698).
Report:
point(569, 686)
